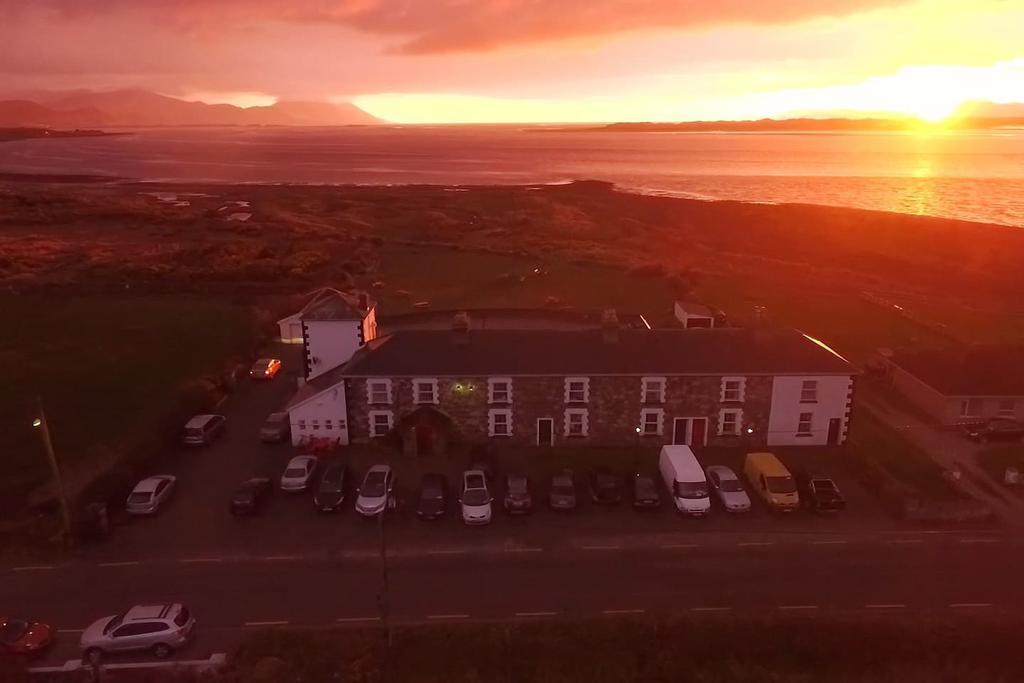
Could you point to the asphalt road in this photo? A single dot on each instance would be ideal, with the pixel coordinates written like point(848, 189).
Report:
point(962, 573)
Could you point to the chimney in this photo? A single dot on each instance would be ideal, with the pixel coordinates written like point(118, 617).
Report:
point(610, 326)
point(460, 328)
point(364, 301)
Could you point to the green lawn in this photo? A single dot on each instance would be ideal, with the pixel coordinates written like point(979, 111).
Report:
point(106, 369)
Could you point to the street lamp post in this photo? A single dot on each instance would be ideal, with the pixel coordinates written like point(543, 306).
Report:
point(41, 424)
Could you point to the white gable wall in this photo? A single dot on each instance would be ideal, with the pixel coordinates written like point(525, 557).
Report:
point(833, 401)
point(322, 416)
point(290, 329)
point(329, 343)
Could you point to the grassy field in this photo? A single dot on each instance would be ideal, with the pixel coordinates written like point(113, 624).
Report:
point(106, 369)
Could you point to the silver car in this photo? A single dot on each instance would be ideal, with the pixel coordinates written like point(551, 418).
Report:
point(299, 473)
point(161, 629)
point(150, 493)
point(728, 488)
point(376, 493)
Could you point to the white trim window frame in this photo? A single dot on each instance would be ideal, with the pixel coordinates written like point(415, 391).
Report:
point(577, 390)
point(733, 390)
point(805, 424)
point(375, 425)
point(732, 426)
point(496, 427)
point(499, 390)
point(971, 407)
point(649, 426)
point(576, 422)
point(381, 395)
point(652, 390)
point(809, 391)
point(418, 393)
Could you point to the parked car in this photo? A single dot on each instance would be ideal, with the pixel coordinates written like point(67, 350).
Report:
point(251, 496)
point(330, 487)
point(605, 487)
point(475, 498)
point(377, 492)
point(562, 494)
point(728, 489)
point(645, 492)
point(265, 368)
point(518, 500)
point(23, 637)
point(298, 475)
point(771, 481)
point(433, 498)
point(203, 429)
point(818, 493)
point(161, 629)
point(276, 428)
point(996, 429)
point(685, 480)
point(149, 494)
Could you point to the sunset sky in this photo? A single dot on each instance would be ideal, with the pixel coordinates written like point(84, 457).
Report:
point(421, 61)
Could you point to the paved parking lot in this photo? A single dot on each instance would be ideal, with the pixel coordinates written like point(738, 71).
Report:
point(196, 523)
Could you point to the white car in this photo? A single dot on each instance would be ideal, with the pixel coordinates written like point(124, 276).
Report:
point(728, 488)
point(299, 473)
point(161, 629)
point(475, 498)
point(376, 493)
point(149, 494)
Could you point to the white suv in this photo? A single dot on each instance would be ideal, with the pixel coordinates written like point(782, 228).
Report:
point(475, 498)
point(161, 629)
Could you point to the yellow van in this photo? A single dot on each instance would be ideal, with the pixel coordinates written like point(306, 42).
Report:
point(772, 481)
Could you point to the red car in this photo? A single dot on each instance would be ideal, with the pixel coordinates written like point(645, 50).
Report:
point(20, 637)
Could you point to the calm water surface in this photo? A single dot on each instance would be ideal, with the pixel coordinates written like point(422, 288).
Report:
point(971, 175)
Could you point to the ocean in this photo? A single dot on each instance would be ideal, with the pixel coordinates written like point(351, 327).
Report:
point(977, 176)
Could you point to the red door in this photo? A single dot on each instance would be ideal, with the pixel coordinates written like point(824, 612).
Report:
point(698, 431)
point(424, 440)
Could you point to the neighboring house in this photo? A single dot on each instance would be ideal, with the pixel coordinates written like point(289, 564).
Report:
point(290, 327)
point(596, 387)
point(963, 384)
point(692, 315)
point(334, 328)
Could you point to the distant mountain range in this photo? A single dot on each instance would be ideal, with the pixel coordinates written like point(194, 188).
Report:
point(126, 108)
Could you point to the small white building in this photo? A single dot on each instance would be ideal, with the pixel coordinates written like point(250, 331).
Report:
point(319, 410)
point(290, 327)
point(693, 315)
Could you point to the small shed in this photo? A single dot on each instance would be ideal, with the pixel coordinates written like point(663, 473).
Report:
point(693, 315)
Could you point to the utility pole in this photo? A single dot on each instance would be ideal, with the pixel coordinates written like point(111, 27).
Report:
point(41, 424)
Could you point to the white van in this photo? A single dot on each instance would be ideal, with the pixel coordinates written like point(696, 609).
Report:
point(684, 478)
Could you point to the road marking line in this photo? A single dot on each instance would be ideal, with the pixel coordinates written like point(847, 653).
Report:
point(33, 568)
point(524, 550)
point(447, 616)
point(131, 563)
point(201, 560)
point(908, 541)
point(894, 605)
point(710, 609)
point(448, 551)
point(536, 614)
point(623, 611)
point(829, 542)
point(602, 547)
point(352, 620)
point(265, 623)
point(798, 607)
point(971, 604)
point(281, 558)
point(755, 543)
point(979, 540)
point(671, 546)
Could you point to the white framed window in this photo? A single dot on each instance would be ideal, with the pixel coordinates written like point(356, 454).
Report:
point(733, 390)
point(424, 390)
point(499, 422)
point(577, 389)
point(970, 407)
point(315, 424)
point(809, 391)
point(302, 425)
point(328, 424)
point(804, 424)
point(729, 422)
point(381, 422)
point(1007, 407)
point(652, 389)
point(499, 390)
point(652, 421)
point(378, 391)
point(577, 422)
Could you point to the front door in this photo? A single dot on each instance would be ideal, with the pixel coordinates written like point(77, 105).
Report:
point(545, 431)
point(698, 431)
point(424, 440)
point(680, 426)
point(834, 425)
point(690, 431)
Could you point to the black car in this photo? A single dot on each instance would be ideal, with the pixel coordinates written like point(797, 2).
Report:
point(518, 500)
point(433, 498)
point(645, 492)
point(605, 487)
point(996, 429)
point(817, 492)
point(251, 496)
point(330, 489)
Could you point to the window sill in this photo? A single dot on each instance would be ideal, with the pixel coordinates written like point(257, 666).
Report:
point(500, 403)
point(500, 436)
point(804, 434)
point(575, 436)
point(803, 402)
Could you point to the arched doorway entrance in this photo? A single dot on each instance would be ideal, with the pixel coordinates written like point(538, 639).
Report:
point(426, 431)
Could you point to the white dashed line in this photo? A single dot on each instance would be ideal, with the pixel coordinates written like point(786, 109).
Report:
point(266, 623)
point(447, 616)
point(750, 544)
point(710, 609)
point(118, 564)
point(674, 546)
point(524, 550)
point(536, 614)
point(623, 611)
point(971, 604)
point(33, 568)
point(353, 620)
point(893, 605)
point(201, 560)
point(602, 547)
point(798, 607)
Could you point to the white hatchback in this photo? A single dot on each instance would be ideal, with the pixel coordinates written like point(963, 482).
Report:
point(299, 473)
point(475, 498)
point(149, 494)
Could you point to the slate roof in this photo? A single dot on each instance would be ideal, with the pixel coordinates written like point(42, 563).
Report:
point(969, 371)
point(725, 351)
point(317, 385)
point(335, 306)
